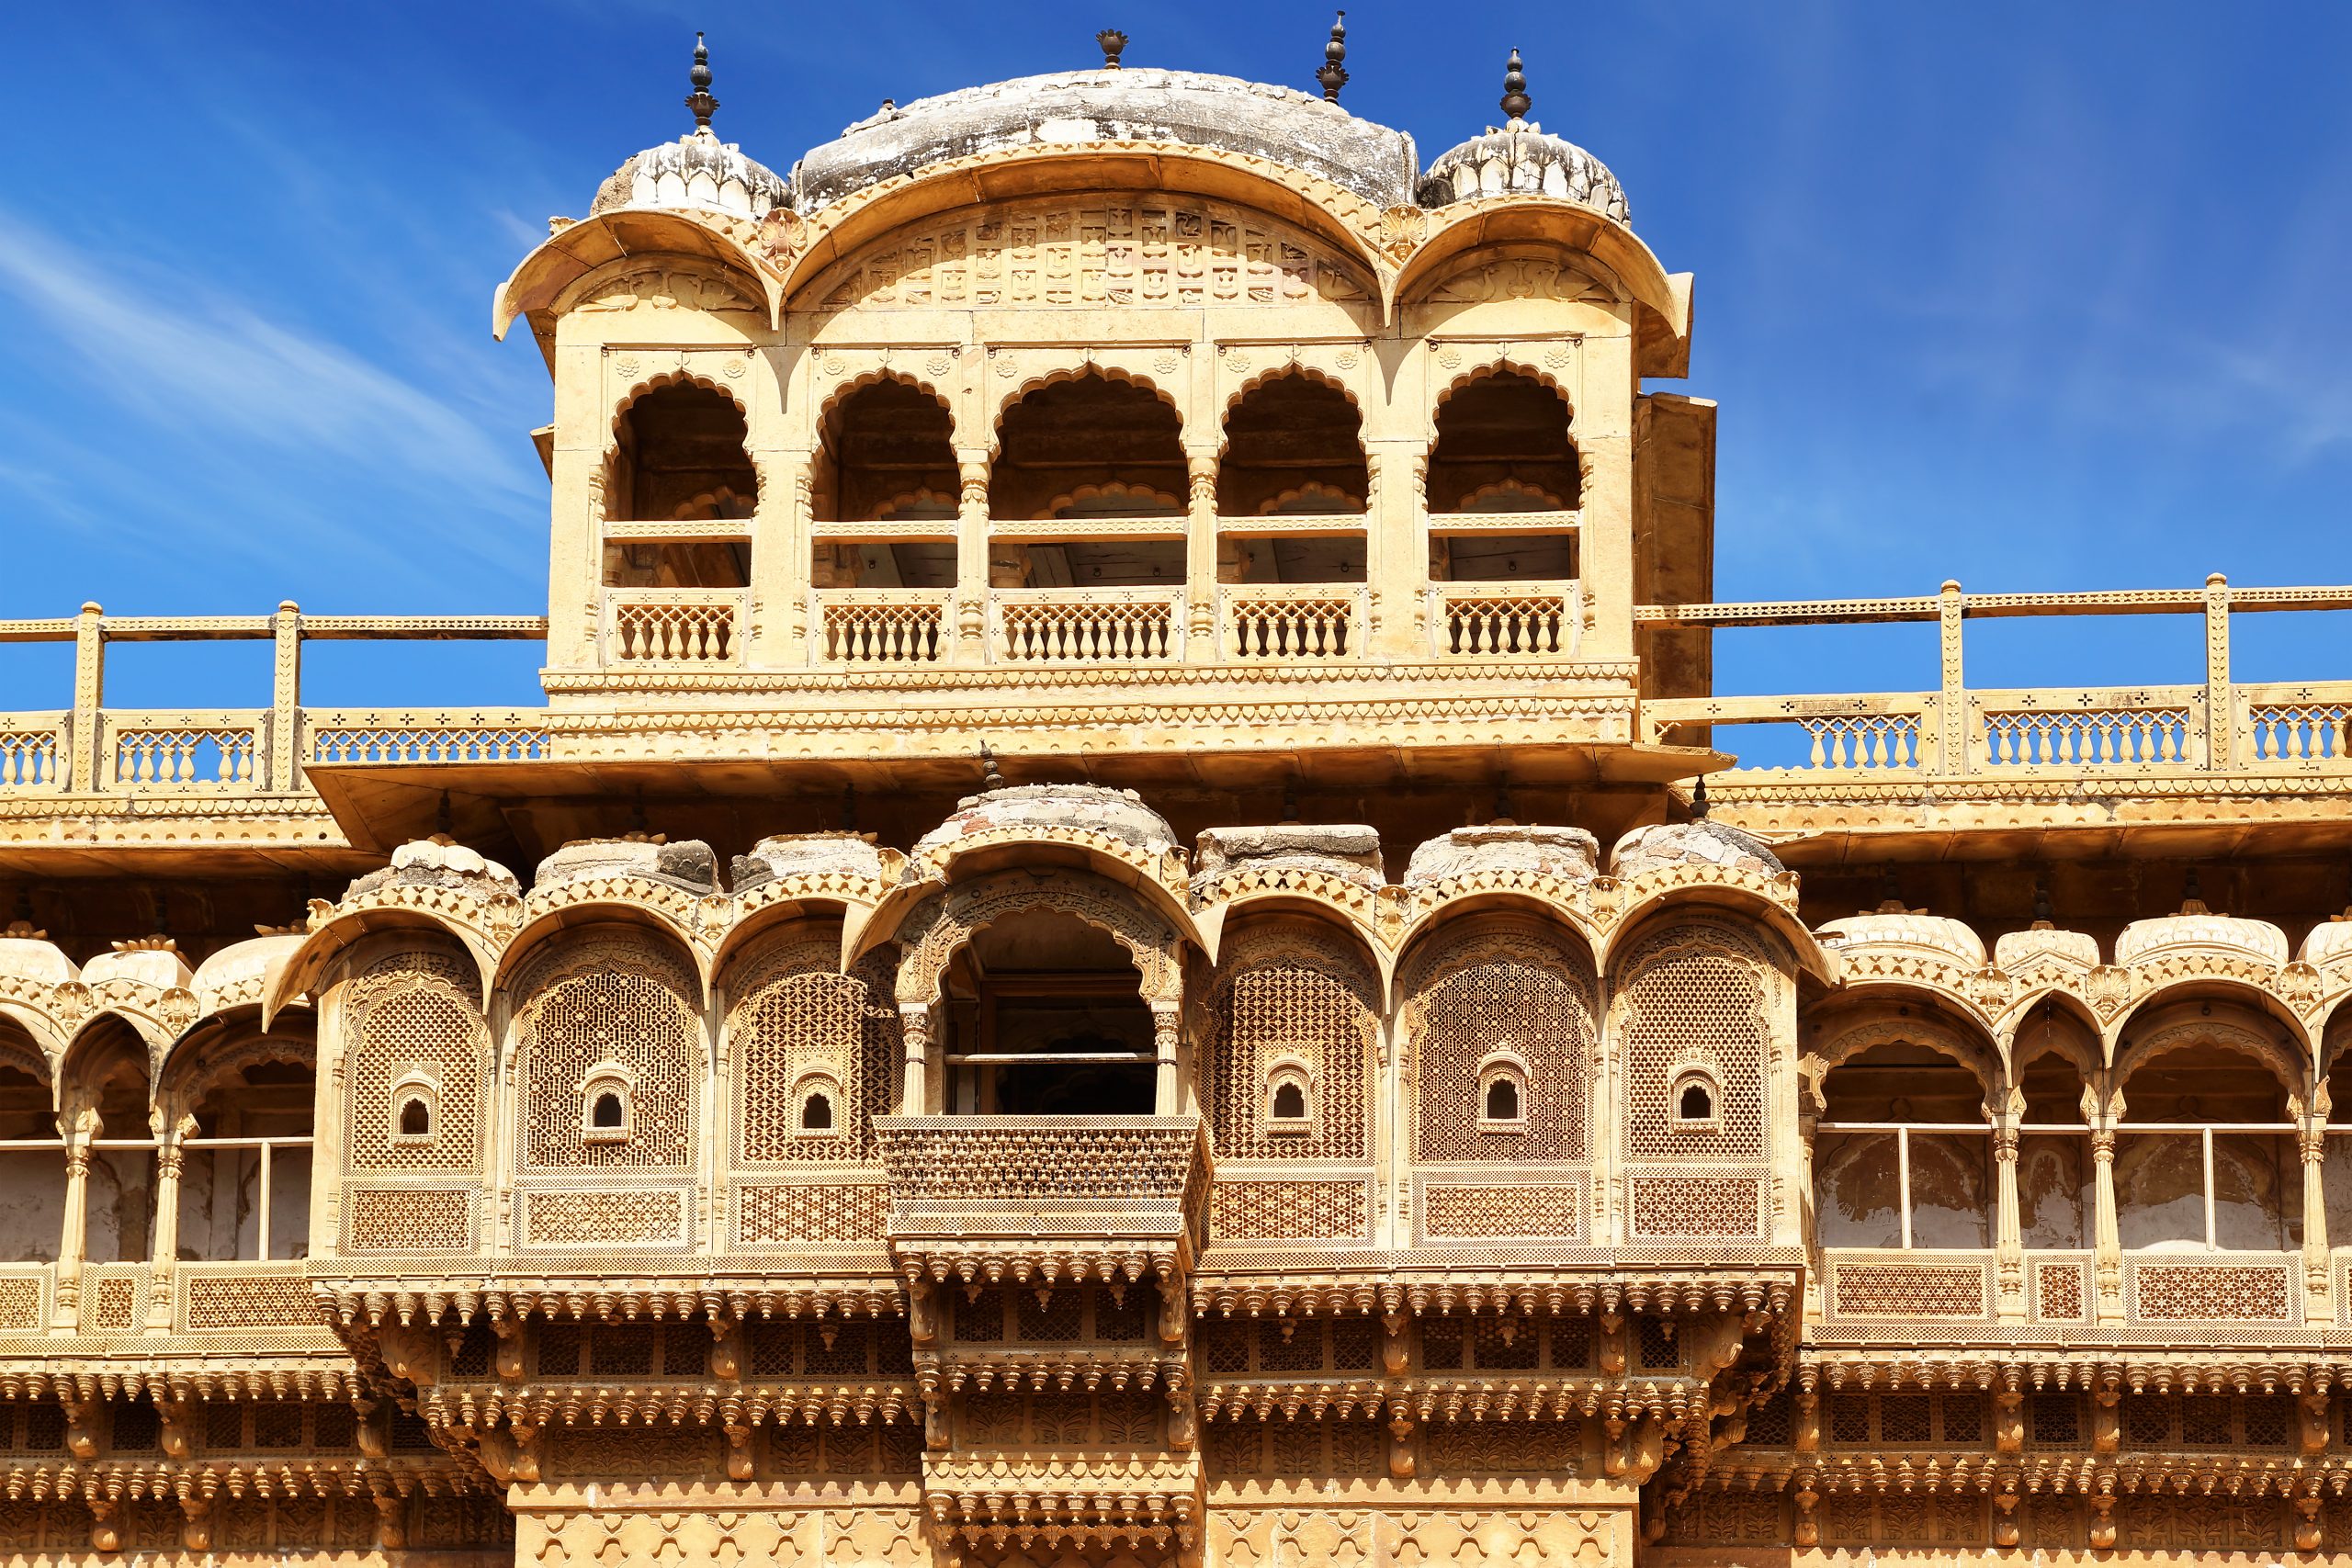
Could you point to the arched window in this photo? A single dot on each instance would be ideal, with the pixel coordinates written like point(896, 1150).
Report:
point(817, 1112)
point(416, 1118)
point(1903, 1155)
point(2216, 1168)
point(1292, 449)
point(1695, 1102)
point(1503, 447)
point(680, 455)
point(1088, 448)
point(1502, 1100)
point(887, 452)
point(1287, 1106)
point(606, 1112)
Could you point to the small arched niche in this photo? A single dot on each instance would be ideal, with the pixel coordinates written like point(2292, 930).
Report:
point(1503, 447)
point(2169, 1196)
point(1090, 448)
point(887, 454)
point(679, 456)
point(1045, 1017)
point(1877, 1102)
point(2054, 1179)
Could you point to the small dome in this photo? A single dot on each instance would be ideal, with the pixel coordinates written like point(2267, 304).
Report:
point(688, 864)
point(1505, 847)
point(697, 169)
point(1935, 936)
point(1115, 813)
point(1519, 158)
point(1349, 850)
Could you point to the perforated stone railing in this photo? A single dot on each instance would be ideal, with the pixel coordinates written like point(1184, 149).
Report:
point(883, 625)
point(1504, 620)
point(2088, 729)
point(187, 750)
point(421, 734)
point(32, 751)
point(675, 626)
point(1270, 624)
point(1088, 626)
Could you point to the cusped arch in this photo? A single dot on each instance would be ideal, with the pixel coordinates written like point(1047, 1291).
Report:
point(1441, 910)
point(567, 256)
point(105, 1039)
point(522, 953)
point(224, 1044)
point(2179, 1028)
point(1306, 990)
point(1062, 375)
point(2208, 990)
point(293, 976)
point(1500, 988)
point(28, 1053)
point(1116, 490)
point(2021, 1045)
point(48, 1035)
point(1746, 900)
point(1287, 370)
point(1854, 1030)
point(934, 931)
point(1329, 905)
point(1662, 326)
point(680, 376)
point(1506, 365)
point(850, 386)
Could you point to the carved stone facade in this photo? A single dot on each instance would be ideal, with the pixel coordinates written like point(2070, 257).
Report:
point(1343, 1099)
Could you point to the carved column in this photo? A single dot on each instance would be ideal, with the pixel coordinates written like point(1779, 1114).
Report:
point(914, 1029)
point(169, 1159)
point(2108, 1234)
point(1951, 728)
point(971, 556)
point(78, 1129)
point(2220, 719)
point(2008, 1237)
point(1167, 1097)
point(777, 606)
point(2312, 1143)
point(286, 698)
point(87, 773)
point(1203, 643)
point(1810, 1106)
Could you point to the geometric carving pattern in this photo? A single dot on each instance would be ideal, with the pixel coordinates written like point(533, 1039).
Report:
point(1507, 986)
point(2059, 1291)
point(1288, 993)
point(411, 1012)
point(1908, 1290)
point(20, 1305)
point(614, 999)
point(230, 1301)
point(822, 1211)
point(1694, 992)
point(795, 1017)
point(1531, 1208)
point(1672, 1207)
point(380, 1219)
point(605, 1218)
point(1289, 1211)
point(1505, 1448)
point(2191, 1293)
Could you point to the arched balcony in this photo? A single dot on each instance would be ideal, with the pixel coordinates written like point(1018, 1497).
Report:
point(884, 489)
point(678, 491)
point(1291, 493)
point(1504, 485)
point(1901, 1157)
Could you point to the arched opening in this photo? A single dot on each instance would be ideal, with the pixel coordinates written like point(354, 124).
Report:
point(2335, 1165)
point(1902, 1158)
point(1290, 1101)
point(1085, 449)
point(2183, 1184)
point(1696, 1102)
point(416, 1117)
point(1045, 1017)
point(33, 1181)
point(1503, 447)
point(1502, 1099)
point(680, 456)
point(2055, 1193)
point(606, 1112)
point(887, 452)
point(106, 1070)
point(817, 1112)
point(245, 1171)
point(1292, 449)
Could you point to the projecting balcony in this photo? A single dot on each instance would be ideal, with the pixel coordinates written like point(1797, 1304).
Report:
point(1047, 1198)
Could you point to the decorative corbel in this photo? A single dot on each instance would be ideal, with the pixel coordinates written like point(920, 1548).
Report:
point(1402, 1462)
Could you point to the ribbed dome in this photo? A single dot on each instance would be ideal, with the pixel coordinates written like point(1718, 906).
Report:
point(1519, 158)
point(696, 170)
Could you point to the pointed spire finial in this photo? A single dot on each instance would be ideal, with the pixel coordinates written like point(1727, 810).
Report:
point(1334, 74)
point(1698, 791)
point(849, 809)
point(989, 777)
point(2044, 915)
point(1516, 103)
point(1115, 43)
point(700, 101)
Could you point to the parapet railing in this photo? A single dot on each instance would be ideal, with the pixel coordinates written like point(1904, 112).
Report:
point(89, 748)
point(1952, 732)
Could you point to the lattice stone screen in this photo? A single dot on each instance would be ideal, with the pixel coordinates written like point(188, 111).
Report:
point(618, 1000)
point(1511, 989)
point(1288, 995)
point(1290, 1210)
point(796, 1023)
point(1883, 1285)
point(2249, 1292)
point(413, 1013)
point(1694, 996)
point(1548, 1210)
point(407, 1219)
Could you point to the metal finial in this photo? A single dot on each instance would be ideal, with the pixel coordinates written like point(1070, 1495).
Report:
point(1113, 43)
point(2043, 914)
point(989, 777)
point(849, 809)
point(441, 821)
point(700, 101)
point(1890, 892)
point(1502, 800)
point(2192, 894)
point(1290, 800)
point(1334, 74)
point(1699, 790)
point(1516, 103)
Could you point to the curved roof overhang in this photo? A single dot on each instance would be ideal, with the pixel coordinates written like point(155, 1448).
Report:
point(1649, 905)
point(292, 975)
point(571, 253)
point(1308, 202)
point(1662, 336)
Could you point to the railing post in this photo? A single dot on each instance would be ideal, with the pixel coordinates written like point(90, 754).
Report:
point(1205, 641)
point(1951, 718)
point(285, 699)
point(964, 638)
point(85, 770)
point(2220, 704)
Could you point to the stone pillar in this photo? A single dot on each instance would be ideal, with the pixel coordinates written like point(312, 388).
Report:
point(914, 1029)
point(1204, 641)
point(87, 773)
point(285, 699)
point(971, 556)
point(1168, 1093)
point(77, 1130)
point(2008, 1242)
point(1810, 1106)
point(169, 1159)
point(2312, 1145)
point(2221, 701)
point(2108, 1234)
point(1951, 726)
point(778, 610)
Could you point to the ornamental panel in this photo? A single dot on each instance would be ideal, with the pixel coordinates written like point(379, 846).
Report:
point(1879, 1286)
point(1497, 999)
point(1691, 1204)
point(413, 1017)
point(275, 1297)
point(1549, 1210)
point(609, 1003)
point(407, 1219)
point(815, 1210)
point(797, 1028)
point(1290, 1004)
point(1693, 1004)
point(605, 1217)
point(2201, 1292)
point(1290, 1210)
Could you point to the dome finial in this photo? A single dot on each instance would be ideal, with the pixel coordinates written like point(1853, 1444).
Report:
point(1516, 103)
point(700, 101)
point(1334, 74)
point(1115, 43)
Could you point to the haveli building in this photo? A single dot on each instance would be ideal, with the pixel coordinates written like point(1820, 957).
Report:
point(1128, 962)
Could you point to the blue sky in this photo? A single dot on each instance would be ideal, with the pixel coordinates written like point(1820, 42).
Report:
point(2036, 296)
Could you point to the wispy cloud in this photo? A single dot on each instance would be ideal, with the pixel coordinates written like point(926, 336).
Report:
point(168, 350)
